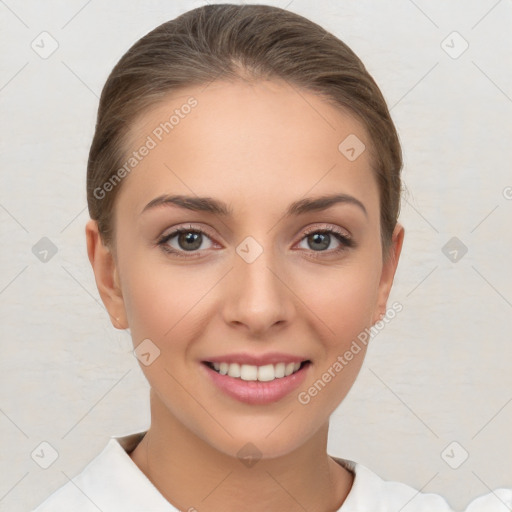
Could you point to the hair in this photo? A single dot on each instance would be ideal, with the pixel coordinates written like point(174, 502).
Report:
point(230, 42)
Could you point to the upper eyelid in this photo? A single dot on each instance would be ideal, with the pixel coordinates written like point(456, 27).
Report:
point(326, 227)
point(175, 231)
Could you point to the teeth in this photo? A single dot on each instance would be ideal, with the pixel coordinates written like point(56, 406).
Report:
point(234, 370)
point(264, 373)
point(279, 370)
point(248, 372)
point(290, 368)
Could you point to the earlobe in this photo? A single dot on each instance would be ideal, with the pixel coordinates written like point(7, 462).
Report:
point(106, 275)
point(388, 271)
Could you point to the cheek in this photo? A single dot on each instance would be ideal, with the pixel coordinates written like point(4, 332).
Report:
point(345, 304)
point(160, 297)
point(344, 300)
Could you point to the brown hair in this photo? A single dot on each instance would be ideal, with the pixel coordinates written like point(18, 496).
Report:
point(229, 41)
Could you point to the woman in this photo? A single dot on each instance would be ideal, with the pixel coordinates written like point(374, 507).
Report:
point(244, 189)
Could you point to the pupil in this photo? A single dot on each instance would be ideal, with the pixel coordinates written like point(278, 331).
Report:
point(322, 238)
point(190, 237)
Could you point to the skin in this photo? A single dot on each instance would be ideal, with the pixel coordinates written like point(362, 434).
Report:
point(257, 147)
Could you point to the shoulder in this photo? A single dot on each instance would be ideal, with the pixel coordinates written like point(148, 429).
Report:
point(371, 492)
point(67, 497)
point(110, 482)
point(499, 500)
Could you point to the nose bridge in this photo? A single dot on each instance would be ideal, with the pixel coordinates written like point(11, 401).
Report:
point(258, 298)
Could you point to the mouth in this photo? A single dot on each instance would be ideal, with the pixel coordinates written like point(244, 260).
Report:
point(263, 373)
point(256, 384)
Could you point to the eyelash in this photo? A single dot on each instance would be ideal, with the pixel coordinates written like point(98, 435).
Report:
point(345, 241)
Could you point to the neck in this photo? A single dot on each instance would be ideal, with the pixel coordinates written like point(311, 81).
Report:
point(192, 475)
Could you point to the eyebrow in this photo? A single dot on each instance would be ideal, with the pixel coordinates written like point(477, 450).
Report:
point(214, 206)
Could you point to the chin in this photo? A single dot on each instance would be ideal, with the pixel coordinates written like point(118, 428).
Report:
point(260, 437)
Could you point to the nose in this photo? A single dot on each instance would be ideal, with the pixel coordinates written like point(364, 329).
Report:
point(257, 296)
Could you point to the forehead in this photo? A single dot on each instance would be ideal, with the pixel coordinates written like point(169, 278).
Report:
point(265, 140)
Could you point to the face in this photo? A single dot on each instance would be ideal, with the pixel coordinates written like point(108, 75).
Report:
point(261, 274)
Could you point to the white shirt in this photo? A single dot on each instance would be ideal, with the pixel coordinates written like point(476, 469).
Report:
point(499, 500)
point(112, 482)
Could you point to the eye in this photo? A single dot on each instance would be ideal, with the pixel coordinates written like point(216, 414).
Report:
point(320, 239)
point(188, 240)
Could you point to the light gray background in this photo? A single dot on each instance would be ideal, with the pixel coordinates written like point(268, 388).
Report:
point(440, 372)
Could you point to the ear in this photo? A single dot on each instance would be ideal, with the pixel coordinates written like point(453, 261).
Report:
point(388, 272)
point(106, 275)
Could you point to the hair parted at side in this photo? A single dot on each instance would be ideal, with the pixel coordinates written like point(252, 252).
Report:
point(229, 42)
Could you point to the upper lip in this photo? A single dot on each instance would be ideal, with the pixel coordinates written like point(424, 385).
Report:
point(257, 359)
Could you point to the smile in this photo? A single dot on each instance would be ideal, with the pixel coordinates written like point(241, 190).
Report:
point(256, 384)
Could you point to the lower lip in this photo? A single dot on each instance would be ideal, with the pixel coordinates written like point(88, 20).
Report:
point(256, 392)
